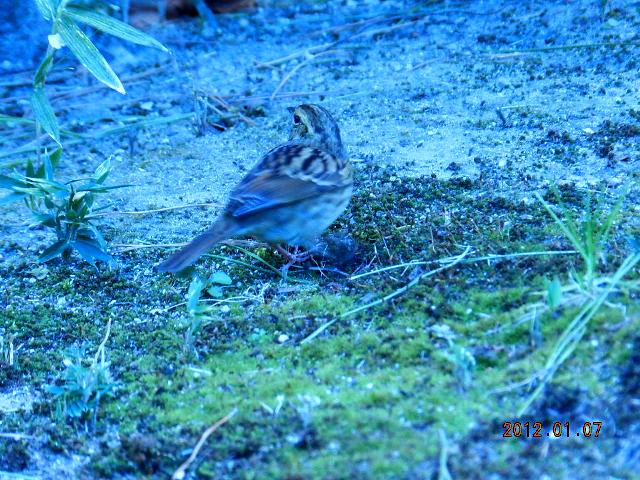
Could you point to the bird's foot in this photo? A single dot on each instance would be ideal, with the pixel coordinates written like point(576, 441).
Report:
point(292, 258)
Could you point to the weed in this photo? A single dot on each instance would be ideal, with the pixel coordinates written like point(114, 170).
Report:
point(588, 237)
point(65, 31)
point(64, 207)
point(199, 310)
point(83, 384)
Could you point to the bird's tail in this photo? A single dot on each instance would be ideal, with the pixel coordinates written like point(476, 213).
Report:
point(221, 230)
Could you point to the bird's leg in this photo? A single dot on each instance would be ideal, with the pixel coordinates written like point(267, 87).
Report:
point(292, 258)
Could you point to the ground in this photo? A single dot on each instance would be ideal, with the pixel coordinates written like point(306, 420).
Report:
point(456, 117)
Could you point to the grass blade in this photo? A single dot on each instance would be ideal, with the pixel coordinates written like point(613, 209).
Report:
point(44, 114)
point(53, 251)
point(568, 230)
point(47, 8)
point(114, 27)
point(88, 54)
point(574, 332)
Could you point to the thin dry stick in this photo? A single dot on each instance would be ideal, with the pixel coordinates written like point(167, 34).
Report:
point(348, 26)
point(454, 261)
point(293, 71)
point(380, 31)
point(257, 98)
point(17, 476)
point(326, 46)
point(180, 473)
point(99, 134)
point(299, 53)
point(147, 212)
point(100, 351)
point(385, 19)
point(488, 258)
point(75, 92)
point(514, 53)
point(16, 436)
point(126, 247)
point(227, 107)
point(443, 471)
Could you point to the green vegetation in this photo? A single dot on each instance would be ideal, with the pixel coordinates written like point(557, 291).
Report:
point(450, 358)
point(63, 207)
point(64, 17)
point(476, 293)
point(83, 384)
point(589, 237)
point(200, 312)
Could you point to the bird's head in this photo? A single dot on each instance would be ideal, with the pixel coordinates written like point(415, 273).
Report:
point(314, 126)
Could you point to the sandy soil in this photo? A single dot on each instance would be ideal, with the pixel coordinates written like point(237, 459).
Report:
point(484, 89)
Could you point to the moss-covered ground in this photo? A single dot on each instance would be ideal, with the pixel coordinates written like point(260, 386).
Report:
point(403, 389)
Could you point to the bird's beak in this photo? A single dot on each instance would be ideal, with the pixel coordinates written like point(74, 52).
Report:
point(291, 109)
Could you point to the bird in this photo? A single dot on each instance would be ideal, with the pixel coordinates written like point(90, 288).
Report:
point(292, 194)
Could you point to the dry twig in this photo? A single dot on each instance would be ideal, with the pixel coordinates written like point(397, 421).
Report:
point(156, 210)
point(180, 473)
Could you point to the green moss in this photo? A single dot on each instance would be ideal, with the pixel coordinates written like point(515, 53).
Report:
point(369, 396)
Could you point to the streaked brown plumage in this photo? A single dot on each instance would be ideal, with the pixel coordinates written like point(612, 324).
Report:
point(290, 196)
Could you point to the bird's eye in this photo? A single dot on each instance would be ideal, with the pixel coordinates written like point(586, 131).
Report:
point(296, 119)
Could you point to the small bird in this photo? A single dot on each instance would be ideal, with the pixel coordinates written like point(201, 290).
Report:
point(289, 197)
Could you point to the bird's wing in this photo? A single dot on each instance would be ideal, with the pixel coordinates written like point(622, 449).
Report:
point(288, 173)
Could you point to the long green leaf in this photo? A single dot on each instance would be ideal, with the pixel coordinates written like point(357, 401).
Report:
point(102, 171)
point(91, 232)
point(91, 251)
point(53, 251)
point(101, 188)
point(44, 219)
point(43, 69)
point(47, 8)
point(193, 295)
point(113, 27)
point(88, 54)
point(44, 114)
